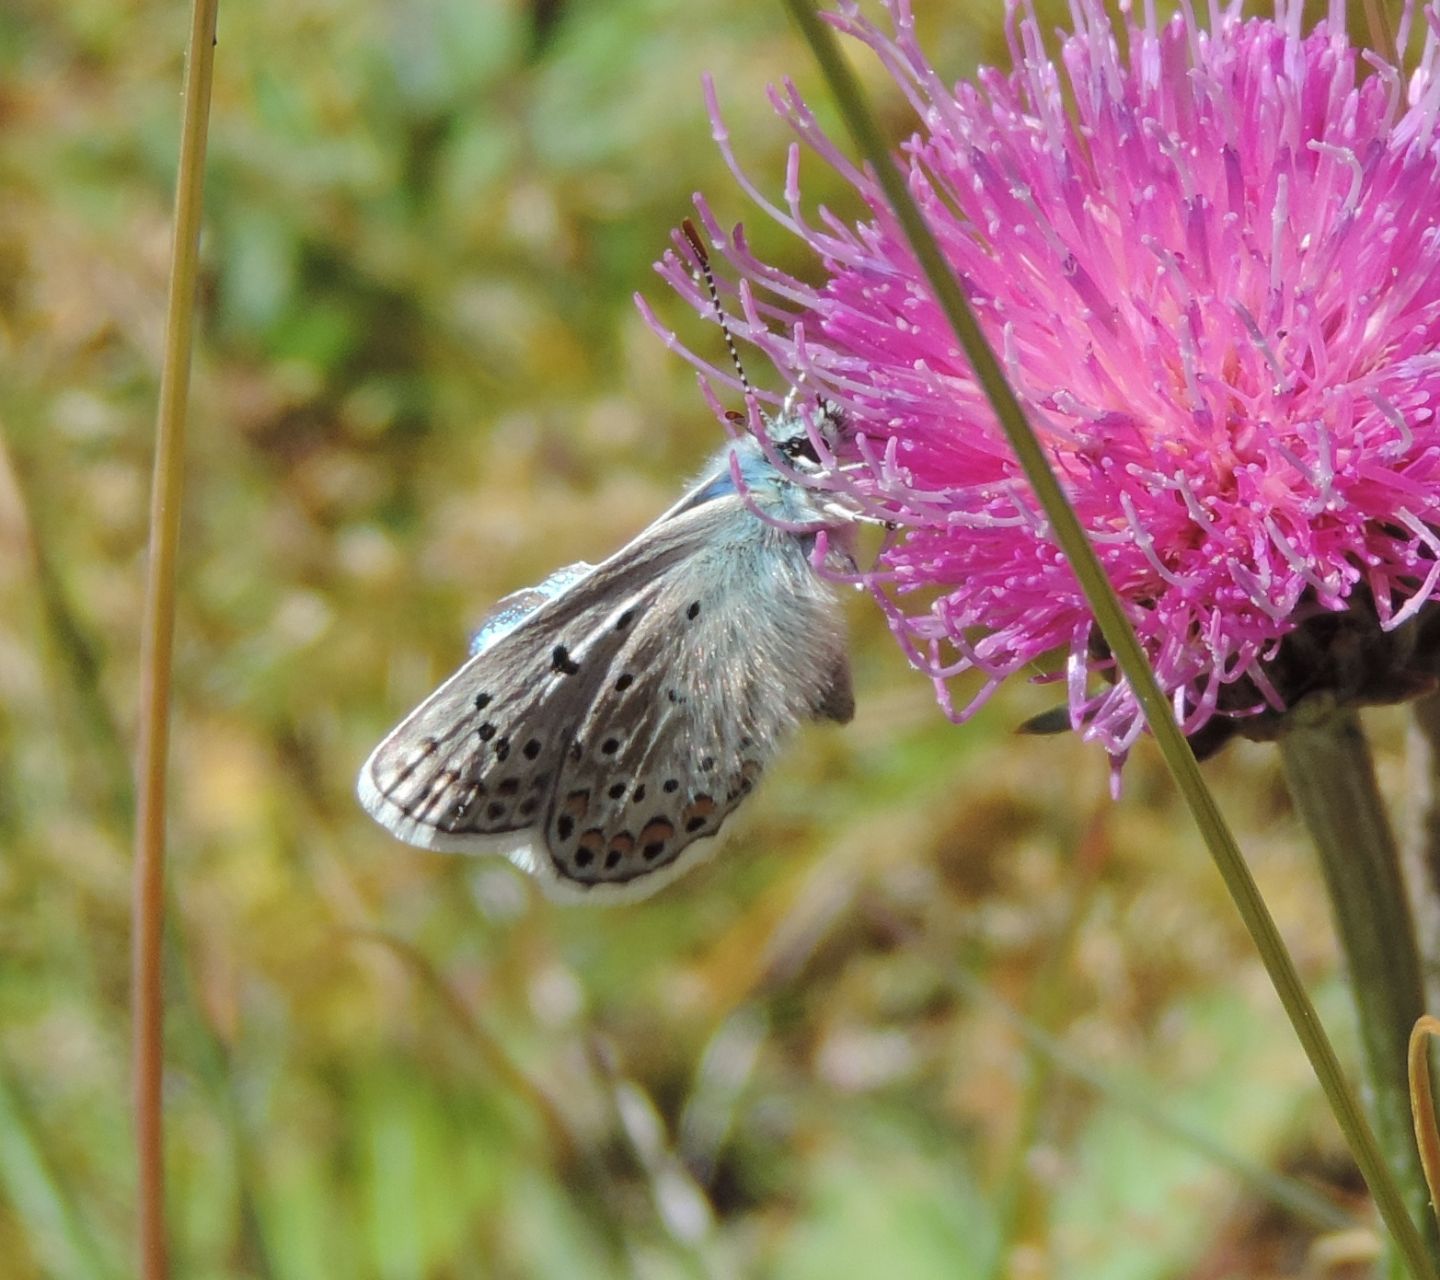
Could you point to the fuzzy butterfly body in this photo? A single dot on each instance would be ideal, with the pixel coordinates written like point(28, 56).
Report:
point(610, 719)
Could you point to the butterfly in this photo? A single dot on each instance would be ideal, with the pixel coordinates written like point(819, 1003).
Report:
point(610, 719)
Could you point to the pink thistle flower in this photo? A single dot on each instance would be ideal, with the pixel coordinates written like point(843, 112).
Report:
point(1211, 268)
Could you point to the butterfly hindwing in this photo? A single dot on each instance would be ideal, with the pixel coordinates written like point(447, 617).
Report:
point(739, 644)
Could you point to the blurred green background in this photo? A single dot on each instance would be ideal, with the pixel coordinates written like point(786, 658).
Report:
point(940, 1009)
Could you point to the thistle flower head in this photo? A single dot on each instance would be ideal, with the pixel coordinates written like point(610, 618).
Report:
point(1210, 265)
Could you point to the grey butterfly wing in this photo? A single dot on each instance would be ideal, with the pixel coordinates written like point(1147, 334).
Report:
point(739, 642)
point(471, 769)
point(565, 733)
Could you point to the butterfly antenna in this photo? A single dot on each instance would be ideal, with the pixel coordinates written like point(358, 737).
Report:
point(702, 255)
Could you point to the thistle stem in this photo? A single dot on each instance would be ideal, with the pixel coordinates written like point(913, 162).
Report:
point(1421, 852)
point(1332, 781)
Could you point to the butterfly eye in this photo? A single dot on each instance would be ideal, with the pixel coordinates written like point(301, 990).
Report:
point(828, 422)
point(799, 447)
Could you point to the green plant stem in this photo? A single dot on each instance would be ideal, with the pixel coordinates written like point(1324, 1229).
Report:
point(1124, 645)
point(40, 1196)
point(157, 641)
point(1420, 856)
point(1332, 781)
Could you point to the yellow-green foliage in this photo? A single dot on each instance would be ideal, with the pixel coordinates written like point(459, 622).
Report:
point(421, 383)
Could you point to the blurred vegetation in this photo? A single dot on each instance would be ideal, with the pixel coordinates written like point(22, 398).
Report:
point(942, 1009)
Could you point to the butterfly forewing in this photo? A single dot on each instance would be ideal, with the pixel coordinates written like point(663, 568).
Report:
point(478, 758)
